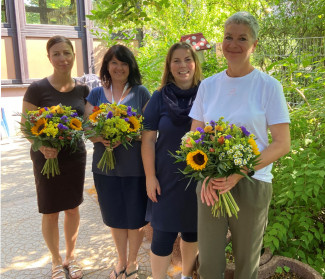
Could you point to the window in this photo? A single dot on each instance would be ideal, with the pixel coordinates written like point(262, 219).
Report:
point(57, 12)
point(3, 12)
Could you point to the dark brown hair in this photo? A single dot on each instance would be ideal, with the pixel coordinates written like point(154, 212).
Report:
point(124, 54)
point(56, 40)
point(168, 77)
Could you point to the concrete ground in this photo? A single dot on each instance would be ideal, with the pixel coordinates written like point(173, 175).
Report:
point(23, 250)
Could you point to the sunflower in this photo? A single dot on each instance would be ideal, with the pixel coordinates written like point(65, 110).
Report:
point(94, 115)
point(39, 127)
point(252, 142)
point(134, 124)
point(75, 124)
point(197, 159)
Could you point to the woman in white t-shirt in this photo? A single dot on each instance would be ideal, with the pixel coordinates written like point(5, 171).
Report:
point(244, 96)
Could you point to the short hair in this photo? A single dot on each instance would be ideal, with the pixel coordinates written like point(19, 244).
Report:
point(167, 75)
point(247, 19)
point(124, 54)
point(56, 40)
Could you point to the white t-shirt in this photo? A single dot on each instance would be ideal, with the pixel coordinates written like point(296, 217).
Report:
point(254, 101)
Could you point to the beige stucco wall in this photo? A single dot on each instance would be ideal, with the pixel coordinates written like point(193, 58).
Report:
point(7, 59)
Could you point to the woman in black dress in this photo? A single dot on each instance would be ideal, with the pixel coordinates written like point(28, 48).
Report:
point(63, 192)
point(172, 206)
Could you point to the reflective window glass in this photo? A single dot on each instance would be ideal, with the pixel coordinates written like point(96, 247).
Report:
point(58, 12)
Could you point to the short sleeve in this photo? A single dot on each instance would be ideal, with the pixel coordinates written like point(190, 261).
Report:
point(145, 95)
point(31, 95)
point(94, 96)
point(276, 106)
point(196, 112)
point(152, 112)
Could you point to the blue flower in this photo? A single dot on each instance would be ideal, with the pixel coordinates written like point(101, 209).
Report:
point(200, 129)
point(49, 115)
point(46, 109)
point(64, 118)
point(244, 130)
point(134, 113)
point(62, 127)
point(74, 114)
point(129, 111)
point(126, 119)
point(212, 123)
point(109, 115)
point(228, 137)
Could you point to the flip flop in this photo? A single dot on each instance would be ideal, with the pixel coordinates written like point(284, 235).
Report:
point(117, 274)
point(131, 273)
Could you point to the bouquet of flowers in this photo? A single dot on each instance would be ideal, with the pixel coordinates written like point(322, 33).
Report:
point(218, 150)
point(57, 127)
point(116, 123)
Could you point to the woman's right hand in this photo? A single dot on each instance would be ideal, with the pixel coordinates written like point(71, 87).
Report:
point(208, 194)
point(49, 152)
point(153, 188)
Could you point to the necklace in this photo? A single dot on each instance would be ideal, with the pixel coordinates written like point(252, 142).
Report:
point(124, 90)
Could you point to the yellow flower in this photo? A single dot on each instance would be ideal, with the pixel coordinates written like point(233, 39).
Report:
point(197, 159)
point(56, 109)
point(39, 127)
point(252, 142)
point(75, 124)
point(93, 116)
point(134, 124)
point(219, 128)
point(208, 129)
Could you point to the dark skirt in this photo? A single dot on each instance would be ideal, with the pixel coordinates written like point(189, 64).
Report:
point(122, 200)
point(64, 191)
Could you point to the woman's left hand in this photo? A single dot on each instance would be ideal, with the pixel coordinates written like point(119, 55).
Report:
point(225, 184)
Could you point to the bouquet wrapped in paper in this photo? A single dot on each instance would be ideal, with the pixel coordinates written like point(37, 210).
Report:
point(57, 127)
point(219, 150)
point(116, 123)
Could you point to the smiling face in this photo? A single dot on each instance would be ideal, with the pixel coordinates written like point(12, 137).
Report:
point(61, 57)
point(182, 67)
point(238, 44)
point(118, 70)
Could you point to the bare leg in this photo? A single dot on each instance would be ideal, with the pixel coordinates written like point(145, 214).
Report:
point(135, 238)
point(189, 251)
point(159, 265)
point(120, 237)
point(50, 230)
point(71, 229)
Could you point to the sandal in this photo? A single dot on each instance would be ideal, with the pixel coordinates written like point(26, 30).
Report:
point(132, 273)
point(56, 272)
point(73, 268)
point(116, 275)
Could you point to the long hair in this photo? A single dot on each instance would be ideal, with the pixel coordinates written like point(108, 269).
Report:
point(124, 54)
point(56, 40)
point(168, 77)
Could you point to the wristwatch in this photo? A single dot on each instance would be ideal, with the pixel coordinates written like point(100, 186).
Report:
point(250, 173)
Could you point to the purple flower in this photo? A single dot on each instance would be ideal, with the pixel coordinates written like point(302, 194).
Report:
point(46, 109)
point(129, 111)
point(212, 123)
point(200, 129)
point(126, 119)
point(245, 132)
point(64, 118)
point(62, 127)
point(49, 115)
point(74, 114)
point(228, 137)
point(134, 113)
point(109, 115)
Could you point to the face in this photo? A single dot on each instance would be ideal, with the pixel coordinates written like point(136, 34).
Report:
point(238, 43)
point(182, 67)
point(118, 70)
point(61, 57)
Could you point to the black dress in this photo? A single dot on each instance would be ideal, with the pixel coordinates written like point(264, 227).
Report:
point(64, 191)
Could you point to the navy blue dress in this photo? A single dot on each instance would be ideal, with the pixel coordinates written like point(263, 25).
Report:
point(121, 192)
point(176, 210)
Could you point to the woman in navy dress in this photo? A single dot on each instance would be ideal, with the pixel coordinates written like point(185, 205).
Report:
point(172, 206)
point(121, 191)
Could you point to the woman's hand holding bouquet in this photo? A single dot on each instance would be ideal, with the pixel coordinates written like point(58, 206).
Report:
point(113, 125)
point(214, 154)
point(50, 129)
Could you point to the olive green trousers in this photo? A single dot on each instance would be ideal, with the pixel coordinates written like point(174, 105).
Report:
point(247, 231)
